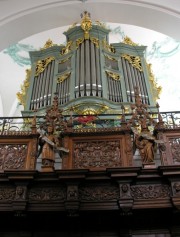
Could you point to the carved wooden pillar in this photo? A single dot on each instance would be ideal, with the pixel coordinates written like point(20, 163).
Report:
point(67, 157)
point(72, 203)
point(169, 146)
point(20, 201)
point(128, 149)
point(162, 147)
point(125, 200)
point(175, 185)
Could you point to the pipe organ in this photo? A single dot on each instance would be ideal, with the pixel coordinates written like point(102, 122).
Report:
point(88, 71)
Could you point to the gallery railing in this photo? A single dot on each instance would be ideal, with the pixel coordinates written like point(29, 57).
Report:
point(9, 124)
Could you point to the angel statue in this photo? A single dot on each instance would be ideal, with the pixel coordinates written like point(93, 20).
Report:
point(49, 145)
point(145, 142)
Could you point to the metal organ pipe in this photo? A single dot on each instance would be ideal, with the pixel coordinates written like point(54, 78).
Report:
point(82, 75)
point(98, 75)
point(93, 71)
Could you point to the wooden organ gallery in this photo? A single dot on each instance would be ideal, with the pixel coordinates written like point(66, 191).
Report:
point(93, 155)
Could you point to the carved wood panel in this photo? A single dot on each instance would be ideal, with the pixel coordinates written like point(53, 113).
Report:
point(170, 148)
point(97, 152)
point(18, 153)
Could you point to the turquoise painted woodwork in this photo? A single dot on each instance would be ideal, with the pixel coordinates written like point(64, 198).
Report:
point(88, 73)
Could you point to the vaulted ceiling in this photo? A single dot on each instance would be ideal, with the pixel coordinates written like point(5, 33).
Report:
point(20, 19)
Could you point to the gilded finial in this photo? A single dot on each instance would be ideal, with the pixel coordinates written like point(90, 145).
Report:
point(86, 24)
point(49, 43)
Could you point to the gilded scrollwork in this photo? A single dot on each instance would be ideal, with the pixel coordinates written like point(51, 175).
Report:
point(156, 89)
point(49, 43)
point(113, 75)
point(107, 46)
point(42, 64)
point(128, 40)
point(110, 58)
point(95, 41)
point(63, 77)
point(64, 60)
point(67, 48)
point(135, 61)
point(79, 41)
point(88, 110)
point(101, 24)
point(21, 96)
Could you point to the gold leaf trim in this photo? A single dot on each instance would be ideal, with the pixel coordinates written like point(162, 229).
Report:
point(107, 46)
point(113, 75)
point(21, 96)
point(95, 41)
point(135, 61)
point(79, 41)
point(63, 77)
point(89, 110)
point(156, 89)
point(127, 40)
point(67, 48)
point(113, 59)
point(49, 43)
point(86, 24)
point(64, 60)
point(42, 64)
point(101, 24)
